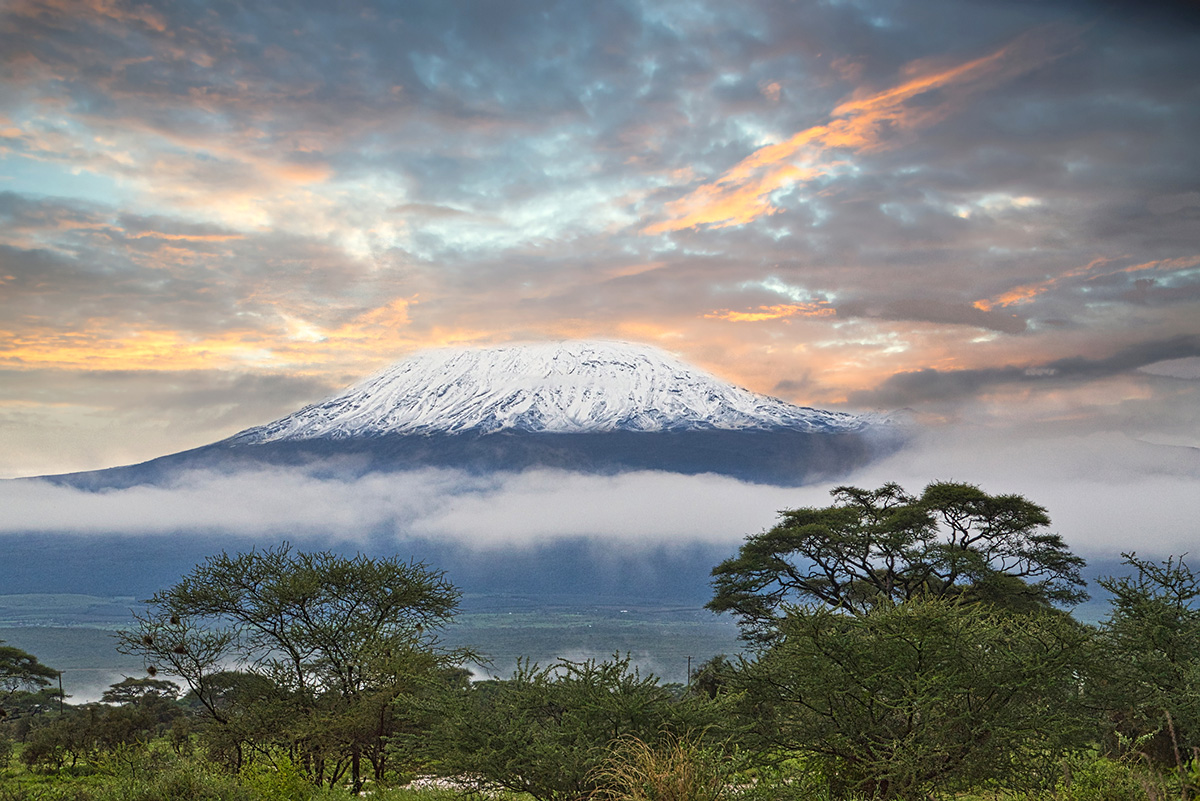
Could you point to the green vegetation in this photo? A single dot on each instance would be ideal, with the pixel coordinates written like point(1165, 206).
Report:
point(21, 672)
point(547, 732)
point(924, 694)
point(313, 654)
point(884, 547)
point(896, 647)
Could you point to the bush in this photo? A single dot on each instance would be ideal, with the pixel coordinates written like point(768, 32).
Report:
point(6, 752)
point(49, 747)
point(546, 732)
point(786, 780)
point(185, 781)
point(922, 695)
point(278, 781)
point(1149, 681)
point(1100, 779)
point(44, 793)
point(673, 770)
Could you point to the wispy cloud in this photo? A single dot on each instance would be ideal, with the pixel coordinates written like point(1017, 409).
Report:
point(868, 120)
point(776, 312)
point(1097, 269)
point(282, 341)
point(447, 505)
point(906, 389)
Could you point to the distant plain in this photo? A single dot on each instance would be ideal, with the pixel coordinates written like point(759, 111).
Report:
point(74, 634)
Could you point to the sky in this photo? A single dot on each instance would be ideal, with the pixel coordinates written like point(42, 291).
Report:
point(984, 213)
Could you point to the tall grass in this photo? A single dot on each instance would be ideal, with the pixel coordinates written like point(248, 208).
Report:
point(676, 770)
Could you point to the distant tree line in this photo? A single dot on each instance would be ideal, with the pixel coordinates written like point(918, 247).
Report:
point(897, 646)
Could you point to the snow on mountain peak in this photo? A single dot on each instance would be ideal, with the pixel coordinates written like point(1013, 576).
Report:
point(553, 387)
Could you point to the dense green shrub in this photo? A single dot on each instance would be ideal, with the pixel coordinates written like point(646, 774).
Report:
point(185, 781)
point(548, 731)
point(51, 746)
point(1148, 682)
point(49, 793)
point(1100, 779)
point(7, 747)
point(924, 694)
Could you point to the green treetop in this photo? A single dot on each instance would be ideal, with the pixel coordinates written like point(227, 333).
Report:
point(887, 546)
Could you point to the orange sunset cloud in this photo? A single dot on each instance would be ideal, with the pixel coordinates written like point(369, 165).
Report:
point(864, 122)
point(1027, 292)
point(207, 219)
point(187, 237)
point(819, 309)
point(105, 345)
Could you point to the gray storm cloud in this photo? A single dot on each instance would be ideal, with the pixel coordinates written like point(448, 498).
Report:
point(905, 389)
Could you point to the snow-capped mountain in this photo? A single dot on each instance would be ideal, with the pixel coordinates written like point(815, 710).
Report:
point(569, 387)
point(596, 407)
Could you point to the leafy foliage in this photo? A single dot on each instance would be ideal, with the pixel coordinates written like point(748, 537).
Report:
point(917, 695)
point(905, 647)
point(884, 546)
point(1149, 682)
point(140, 691)
point(1101, 779)
point(323, 646)
point(547, 731)
point(96, 733)
point(21, 672)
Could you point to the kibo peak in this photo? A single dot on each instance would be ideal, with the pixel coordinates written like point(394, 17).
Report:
point(562, 387)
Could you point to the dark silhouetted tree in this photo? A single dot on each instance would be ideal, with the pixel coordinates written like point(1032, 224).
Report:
point(21, 672)
point(885, 546)
point(327, 641)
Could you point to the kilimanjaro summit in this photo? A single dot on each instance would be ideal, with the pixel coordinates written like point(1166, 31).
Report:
point(597, 407)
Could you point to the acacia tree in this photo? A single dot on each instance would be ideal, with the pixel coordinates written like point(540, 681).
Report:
point(21, 672)
point(140, 691)
point(887, 546)
point(321, 636)
point(1149, 682)
point(911, 642)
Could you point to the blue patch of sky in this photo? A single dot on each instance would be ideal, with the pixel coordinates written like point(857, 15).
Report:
point(30, 177)
point(794, 293)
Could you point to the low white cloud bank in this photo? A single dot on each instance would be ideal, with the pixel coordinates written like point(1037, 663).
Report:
point(1106, 493)
point(496, 510)
point(642, 506)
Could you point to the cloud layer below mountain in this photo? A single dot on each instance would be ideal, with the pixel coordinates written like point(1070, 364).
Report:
point(1106, 493)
